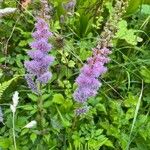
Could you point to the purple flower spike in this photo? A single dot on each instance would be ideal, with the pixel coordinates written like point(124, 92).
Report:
point(41, 45)
point(81, 111)
point(36, 55)
point(41, 24)
point(45, 77)
point(38, 67)
point(87, 81)
point(42, 34)
point(32, 85)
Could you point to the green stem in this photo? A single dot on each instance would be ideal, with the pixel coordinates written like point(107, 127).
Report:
point(40, 113)
point(14, 137)
point(40, 107)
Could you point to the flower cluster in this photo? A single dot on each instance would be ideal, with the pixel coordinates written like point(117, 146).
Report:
point(81, 110)
point(88, 82)
point(31, 124)
point(7, 11)
point(15, 99)
point(70, 6)
point(38, 67)
point(111, 27)
point(46, 9)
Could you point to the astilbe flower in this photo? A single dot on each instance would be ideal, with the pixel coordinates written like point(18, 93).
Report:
point(70, 5)
point(46, 9)
point(81, 110)
point(38, 66)
point(88, 82)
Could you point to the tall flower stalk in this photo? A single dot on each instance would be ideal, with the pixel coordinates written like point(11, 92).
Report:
point(88, 81)
point(13, 108)
point(38, 66)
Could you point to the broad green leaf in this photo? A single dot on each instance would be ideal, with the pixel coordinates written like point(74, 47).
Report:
point(58, 99)
point(126, 34)
point(133, 6)
point(5, 143)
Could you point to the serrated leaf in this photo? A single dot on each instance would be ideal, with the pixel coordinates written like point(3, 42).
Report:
point(5, 85)
point(126, 34)
point(109, 143)
point(101, 107)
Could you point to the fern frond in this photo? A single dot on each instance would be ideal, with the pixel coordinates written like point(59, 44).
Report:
point(5, 85)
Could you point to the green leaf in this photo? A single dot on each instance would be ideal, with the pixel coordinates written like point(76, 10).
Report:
point(5, 85)
point(101, 107)
point(45, 96)
point(24, 131)
point(126, 34)
point(84, 54)
point(109, 144)
point(146, 9)
point(33, 137)
point(131, 101)
point(23, 43)
point(146, 74)
point(58, 99)
point(47, 104)
point(130, 113)
point(33, 97)
point(109, 7)
point(71, 64)
point(28, 107)
point(5, 143)
point(133, 6)
point(66, 123)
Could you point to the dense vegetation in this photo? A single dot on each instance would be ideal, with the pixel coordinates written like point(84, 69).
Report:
point(117, 117)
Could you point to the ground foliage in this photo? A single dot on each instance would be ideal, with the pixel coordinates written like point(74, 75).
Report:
point(118, 117)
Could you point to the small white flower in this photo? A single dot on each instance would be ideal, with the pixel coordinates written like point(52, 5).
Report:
point(7, 11)
point(1, 115)
point(31, 124)
point(13, 108)
point(15, 98)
